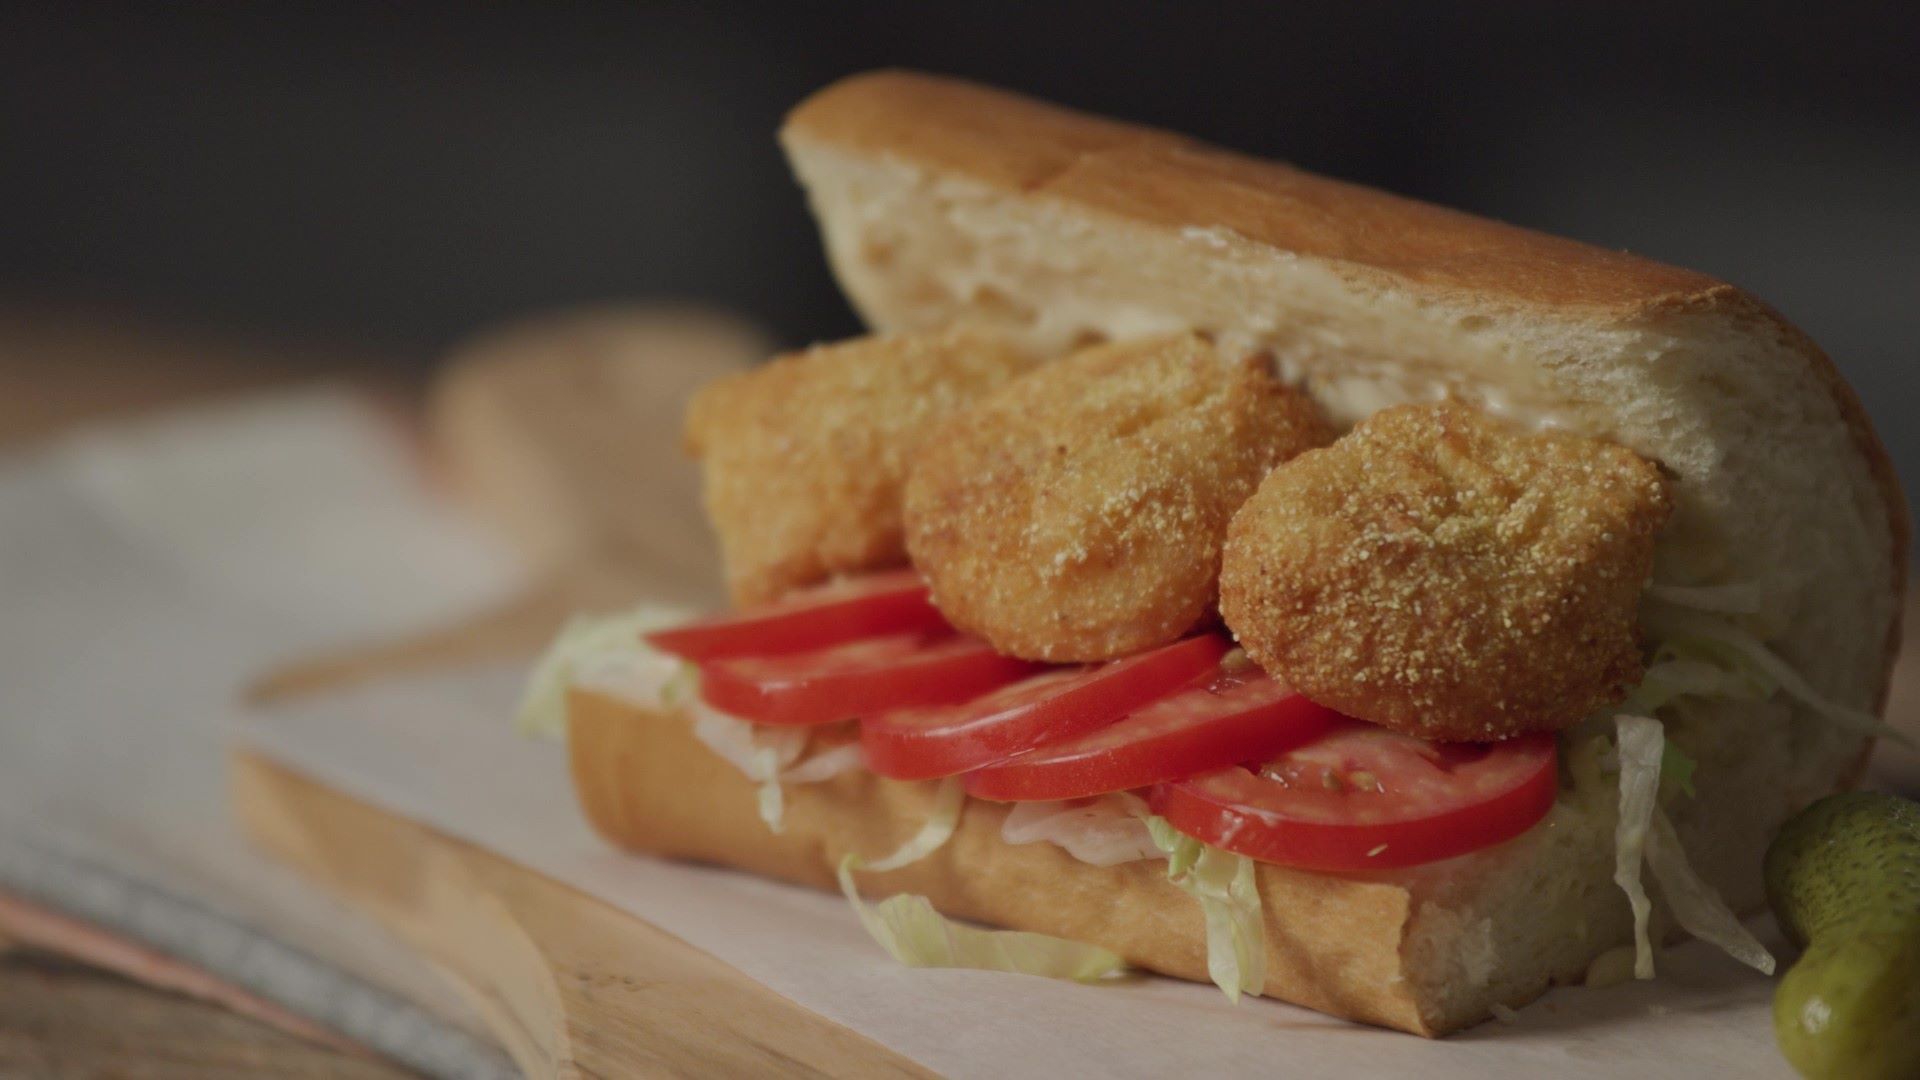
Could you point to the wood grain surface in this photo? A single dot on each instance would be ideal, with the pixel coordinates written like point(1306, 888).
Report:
point(60, 1019)
point(571, 986)
point(564, 433)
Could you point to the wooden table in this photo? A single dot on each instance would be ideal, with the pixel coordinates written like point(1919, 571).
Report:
point(58, 369)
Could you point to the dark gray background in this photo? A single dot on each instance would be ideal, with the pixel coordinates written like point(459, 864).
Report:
point(400, 174)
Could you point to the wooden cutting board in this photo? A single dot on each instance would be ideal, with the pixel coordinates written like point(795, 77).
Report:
point(569, 985)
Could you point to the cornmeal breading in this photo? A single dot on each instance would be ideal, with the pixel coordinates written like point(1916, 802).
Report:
point(1442, 576)
point(803, 459)
point(1077, 513)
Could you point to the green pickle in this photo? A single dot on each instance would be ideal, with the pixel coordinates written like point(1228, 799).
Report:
point(1843, 877)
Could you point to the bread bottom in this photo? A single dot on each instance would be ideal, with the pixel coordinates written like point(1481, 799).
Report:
point(1415, 950)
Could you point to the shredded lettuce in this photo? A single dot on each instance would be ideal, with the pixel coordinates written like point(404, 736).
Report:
point(1224, 884)
point(770, 798)
point(825, 765)
point(1645, 833)
point(1705, 651)
point(1676, 766)
point(609, 648)
point(1640, 743)
point(942, 820)
point(1742, 598)
point(914, 934)
point(1690, 632)
point(1106, 831)
point(761, 752)
point(769, 755)
point(1182, 851)
point(1674, 674)
point(1696, 905)
point(607, 653)
point(682, 688)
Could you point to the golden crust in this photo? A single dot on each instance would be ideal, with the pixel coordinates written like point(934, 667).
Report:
point(1437, 575)
point(1077, 513)
point(1333, 944)
point(1143, 175)
point(1149, 176)
point(803, 459)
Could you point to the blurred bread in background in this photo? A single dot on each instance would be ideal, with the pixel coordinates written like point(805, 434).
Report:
point(563, 431)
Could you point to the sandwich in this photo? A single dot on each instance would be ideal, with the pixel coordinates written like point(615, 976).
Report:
point(1210, 568)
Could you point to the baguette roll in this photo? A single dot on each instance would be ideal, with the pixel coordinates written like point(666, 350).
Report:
point(1374, 948)
point(943, 203)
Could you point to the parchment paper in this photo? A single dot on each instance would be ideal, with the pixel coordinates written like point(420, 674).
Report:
point(439, 750)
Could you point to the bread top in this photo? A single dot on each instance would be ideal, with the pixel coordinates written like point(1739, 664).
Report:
point(1018, 144)
point(1036, 150)
point(943, 202)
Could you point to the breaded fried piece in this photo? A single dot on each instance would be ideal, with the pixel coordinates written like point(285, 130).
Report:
point(1077, 513)
point(1442, 576)
point(803, 459)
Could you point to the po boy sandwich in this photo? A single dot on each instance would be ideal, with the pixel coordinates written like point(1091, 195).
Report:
point(1218, 570)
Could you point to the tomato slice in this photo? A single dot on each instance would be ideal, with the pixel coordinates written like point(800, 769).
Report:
point(919, 744)
point(1366, 798)
point(858, 679)
point(1236, 716)
point(840, 611)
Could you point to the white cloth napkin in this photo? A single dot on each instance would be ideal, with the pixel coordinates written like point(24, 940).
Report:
point(147, 571)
